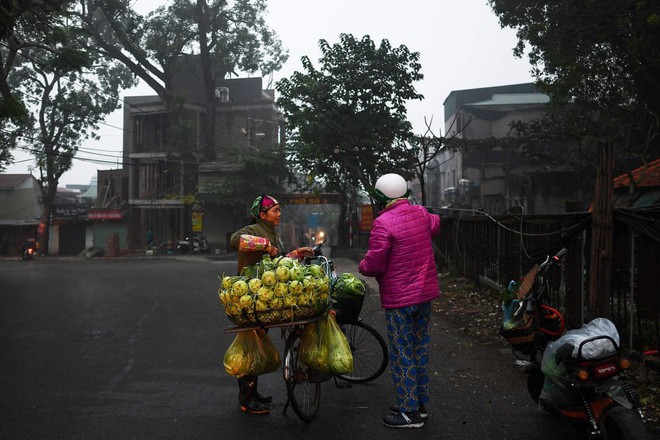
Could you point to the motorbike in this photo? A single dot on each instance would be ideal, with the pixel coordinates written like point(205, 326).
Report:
point(194, 245)
point(577, 374)
point(27, 253)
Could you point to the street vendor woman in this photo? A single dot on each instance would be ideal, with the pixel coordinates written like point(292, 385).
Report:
point(252, 242)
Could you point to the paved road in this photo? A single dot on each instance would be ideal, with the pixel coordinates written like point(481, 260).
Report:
point(132, 349)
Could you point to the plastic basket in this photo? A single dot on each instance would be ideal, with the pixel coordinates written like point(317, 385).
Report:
point(521, 337)
point(349, 308)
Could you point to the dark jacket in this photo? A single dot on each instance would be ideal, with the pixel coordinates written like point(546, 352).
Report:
point(259, 229)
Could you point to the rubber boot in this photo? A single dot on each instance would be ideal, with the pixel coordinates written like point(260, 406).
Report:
point(260, 397)
point(247, 398)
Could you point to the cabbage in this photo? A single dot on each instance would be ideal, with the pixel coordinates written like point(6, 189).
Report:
point(246, 301)
point(261, 305)
point(348, 286)
point(250, 271)
point(265, 294)
point(266, 263)
point(224, 298)
point(239, 288)
point(254, 284)
point(323, 285)
point(281, 290)
point(282, 273)
point(289, 301)
point(296, 272)
point(268, 278)
point(285, 262)
point(295, 287)
point(316, 271)
point(227, 282)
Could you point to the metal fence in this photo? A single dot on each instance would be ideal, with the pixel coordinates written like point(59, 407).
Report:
point(499, 249)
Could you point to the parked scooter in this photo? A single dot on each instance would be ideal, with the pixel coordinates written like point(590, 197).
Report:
point(580, 375)
point(194, 245)
point(201, 245)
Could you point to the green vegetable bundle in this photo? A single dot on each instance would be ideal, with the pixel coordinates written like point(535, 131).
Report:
point(348, 286)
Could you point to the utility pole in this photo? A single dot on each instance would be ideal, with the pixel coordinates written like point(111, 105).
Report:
point(600, 268)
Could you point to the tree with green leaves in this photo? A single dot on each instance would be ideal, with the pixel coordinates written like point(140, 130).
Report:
point(66, 90)
point(601, 61)
point(223, 37)
point(48, 15)
point(347, 118)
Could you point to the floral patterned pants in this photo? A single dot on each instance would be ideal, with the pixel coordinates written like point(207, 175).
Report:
point(408, 341)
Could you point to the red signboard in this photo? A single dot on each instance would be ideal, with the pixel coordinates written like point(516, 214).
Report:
point(104, 214)
point(366, 218)
point(309, 199)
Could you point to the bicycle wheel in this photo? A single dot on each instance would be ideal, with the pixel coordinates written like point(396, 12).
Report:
point(304, 396)
point(369, 352)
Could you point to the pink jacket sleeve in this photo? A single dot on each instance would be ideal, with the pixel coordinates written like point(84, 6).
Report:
point(374, 262)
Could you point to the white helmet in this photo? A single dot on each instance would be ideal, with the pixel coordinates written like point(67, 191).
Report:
point(390, 186)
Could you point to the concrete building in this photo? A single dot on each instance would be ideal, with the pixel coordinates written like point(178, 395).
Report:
point(20, 211)
point(495, 179)
point(169, 179)
point(109, 215)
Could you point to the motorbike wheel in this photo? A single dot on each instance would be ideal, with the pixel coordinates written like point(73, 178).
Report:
point(620, 423)
point(535, 381)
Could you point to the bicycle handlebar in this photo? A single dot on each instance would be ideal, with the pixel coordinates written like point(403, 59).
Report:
point(543, 268)
point(551, 261)
point(318, 251)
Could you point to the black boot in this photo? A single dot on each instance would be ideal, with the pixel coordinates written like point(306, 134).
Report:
point(260, 397)
point(247, 396)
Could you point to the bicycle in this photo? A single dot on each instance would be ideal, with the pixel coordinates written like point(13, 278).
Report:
point(368, 348)
point(303, 383)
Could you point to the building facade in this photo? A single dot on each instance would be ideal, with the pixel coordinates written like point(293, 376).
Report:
point(494, 179)
point(20, 211)
point(169, 175)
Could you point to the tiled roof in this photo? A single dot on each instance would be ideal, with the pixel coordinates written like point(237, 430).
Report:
point(651, 176)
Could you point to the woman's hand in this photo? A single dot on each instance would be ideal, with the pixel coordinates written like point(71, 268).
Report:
point(304, 252)
point(272, 250)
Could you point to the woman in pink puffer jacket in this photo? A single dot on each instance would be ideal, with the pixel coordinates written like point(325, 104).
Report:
point(400, 257)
